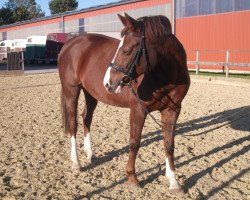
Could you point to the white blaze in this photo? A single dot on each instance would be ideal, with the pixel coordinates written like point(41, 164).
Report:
point(173, 184)
point(120, 45)
point(107, 74)
point(107, 77)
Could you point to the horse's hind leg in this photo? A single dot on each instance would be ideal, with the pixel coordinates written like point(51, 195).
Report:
point(71, 94)
point(90, 105)
point(169, 118)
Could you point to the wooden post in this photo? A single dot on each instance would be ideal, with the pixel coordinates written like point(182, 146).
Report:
point(22, 60)
point(227, 65)
point(197, 62)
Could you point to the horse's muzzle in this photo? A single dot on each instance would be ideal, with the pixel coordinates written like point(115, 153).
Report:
point(109, 88)
point(117, 88)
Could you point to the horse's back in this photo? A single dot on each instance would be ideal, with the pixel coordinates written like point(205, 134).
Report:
point(84, 52)
point(83, 45)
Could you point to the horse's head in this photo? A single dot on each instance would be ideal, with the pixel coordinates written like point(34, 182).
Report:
point(131, 58)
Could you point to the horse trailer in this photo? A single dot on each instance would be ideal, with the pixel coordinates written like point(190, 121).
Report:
point(35, 49)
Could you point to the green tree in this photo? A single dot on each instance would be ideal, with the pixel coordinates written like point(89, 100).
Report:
point(20, 10)
point(34, 9)
point(5, 16)
point(60, 6)
point(20, 14)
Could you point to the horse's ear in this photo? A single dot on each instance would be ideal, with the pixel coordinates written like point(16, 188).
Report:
point(131, 23)
point(122, 19)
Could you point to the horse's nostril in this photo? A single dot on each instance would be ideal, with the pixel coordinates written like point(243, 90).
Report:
point(108, 86)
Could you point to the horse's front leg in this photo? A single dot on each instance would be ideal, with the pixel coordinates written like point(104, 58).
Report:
point(137, 119)
point(169, 118)
point(90, 105)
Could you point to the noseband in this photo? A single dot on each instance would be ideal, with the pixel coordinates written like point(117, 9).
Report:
point(127, 78)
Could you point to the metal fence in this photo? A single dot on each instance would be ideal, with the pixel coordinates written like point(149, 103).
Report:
point(224, 60)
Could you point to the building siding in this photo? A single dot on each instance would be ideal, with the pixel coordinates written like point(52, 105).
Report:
point(99, 20)
point(214, 34)
point(200, 25)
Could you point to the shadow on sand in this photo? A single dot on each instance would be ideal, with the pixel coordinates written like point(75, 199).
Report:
point(237, 119)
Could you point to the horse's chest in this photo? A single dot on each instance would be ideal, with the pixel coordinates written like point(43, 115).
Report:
point(161, 100)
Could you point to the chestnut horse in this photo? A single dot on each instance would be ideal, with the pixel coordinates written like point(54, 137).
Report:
point(145, 71)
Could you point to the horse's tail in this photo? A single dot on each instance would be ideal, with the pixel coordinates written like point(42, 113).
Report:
point(64, 113)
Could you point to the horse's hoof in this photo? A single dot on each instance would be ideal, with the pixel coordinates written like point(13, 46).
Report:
point(178, 191)
point(133, 185)
point(91, 159)
point(76, 167)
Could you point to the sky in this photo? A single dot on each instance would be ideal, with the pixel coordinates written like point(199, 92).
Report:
point(81, 4)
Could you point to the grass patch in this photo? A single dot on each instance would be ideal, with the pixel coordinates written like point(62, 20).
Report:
point(220, 74)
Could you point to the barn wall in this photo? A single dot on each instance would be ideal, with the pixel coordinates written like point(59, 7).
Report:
point(103, 20)
point(213, 28)
point(111, 23)
point(43, 29)
point(227, 31)
point(30, 28)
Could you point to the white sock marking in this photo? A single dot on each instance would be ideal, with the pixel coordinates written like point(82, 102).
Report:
point(74, 156)
point(87, 146)
point(173, 184)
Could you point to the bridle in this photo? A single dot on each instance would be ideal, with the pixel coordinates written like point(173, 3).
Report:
point(128, 72)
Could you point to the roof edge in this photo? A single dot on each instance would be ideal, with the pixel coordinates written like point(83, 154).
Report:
point(109, 5)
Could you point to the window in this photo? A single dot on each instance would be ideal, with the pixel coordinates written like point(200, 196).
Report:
point(52, 37)
point(224, 6)
point(242, 5)
point(81, 25)
point(187, 8)
point(4, 35)
point(207, 7)
point(192, 8)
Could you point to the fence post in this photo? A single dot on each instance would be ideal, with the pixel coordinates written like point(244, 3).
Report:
point(22, 60)
point(197, 68)
point(227, 65)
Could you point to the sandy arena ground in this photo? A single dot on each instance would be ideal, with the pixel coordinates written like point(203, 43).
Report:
point(35, 154)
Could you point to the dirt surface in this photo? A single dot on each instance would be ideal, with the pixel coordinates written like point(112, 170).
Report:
point(213, 163)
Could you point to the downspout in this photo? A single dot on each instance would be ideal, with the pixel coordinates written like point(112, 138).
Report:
point(173, 16)
point(63, 24)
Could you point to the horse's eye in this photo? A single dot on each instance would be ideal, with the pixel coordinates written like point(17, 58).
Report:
point(136, 44)
point(128, 50)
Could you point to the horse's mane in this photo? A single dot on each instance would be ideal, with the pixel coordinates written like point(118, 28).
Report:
point(157, 29)
point(156, 26)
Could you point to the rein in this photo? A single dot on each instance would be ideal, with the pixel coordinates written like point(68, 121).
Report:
point(158, 122)
point(144, 108)
point(127, 78)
